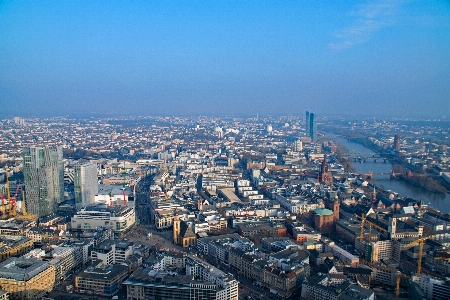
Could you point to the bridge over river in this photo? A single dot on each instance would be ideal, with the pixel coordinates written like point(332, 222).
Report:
point(381, 175)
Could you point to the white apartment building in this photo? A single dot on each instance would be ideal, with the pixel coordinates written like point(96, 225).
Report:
point(112, 252)
point(226, 283)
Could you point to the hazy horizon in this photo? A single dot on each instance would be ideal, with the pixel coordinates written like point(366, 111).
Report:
point(112, 58)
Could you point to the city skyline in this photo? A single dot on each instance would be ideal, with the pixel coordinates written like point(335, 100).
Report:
point(380, 58)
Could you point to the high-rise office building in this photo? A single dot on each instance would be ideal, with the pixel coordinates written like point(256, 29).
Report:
point(85, 184)
point(307, 123)
point(312, 127)
point(44, 179)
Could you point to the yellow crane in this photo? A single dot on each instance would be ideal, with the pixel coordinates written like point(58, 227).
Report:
point(361, 231)
point(25, 215)
point(397, 284)
point(419, 262)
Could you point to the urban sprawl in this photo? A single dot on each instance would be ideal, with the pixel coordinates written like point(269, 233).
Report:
point(219, 208)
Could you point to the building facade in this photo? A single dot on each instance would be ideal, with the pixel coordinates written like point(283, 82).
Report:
point(85, 184)
point(44, 179)
point(26, 278)
point(120, 218)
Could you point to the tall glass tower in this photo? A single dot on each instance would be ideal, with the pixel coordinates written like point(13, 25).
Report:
point(312, 127)
point(307, 123)
point(85, 184)
point(44, 179)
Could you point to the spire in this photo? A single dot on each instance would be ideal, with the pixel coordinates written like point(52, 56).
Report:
point(374, 197)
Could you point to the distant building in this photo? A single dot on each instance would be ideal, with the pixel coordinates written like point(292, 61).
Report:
point(298, 146)
point(397, 142)
point(85, 184)
point(312, 127)
point(44, 179)
point(323, 176)
point(307, 129)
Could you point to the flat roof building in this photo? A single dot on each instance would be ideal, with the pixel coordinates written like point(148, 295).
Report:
point(119, 217)
point(26, 278)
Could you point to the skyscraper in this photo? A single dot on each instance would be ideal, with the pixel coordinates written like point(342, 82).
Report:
point(307, 123)
point(44, 179)
point(312, 127)
point(85, 184)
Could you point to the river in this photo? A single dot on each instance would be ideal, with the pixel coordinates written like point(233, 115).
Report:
point(381, 176)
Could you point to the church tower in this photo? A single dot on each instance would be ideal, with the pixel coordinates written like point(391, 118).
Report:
point(176, 229)
point(374, 198)
point(323, 175)
point(336, 208)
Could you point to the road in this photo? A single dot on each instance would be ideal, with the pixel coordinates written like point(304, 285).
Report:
point(143, 200)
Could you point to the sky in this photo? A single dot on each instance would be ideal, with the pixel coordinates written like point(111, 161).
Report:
point(235, 57)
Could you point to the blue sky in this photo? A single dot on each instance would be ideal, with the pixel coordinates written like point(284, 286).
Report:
point(225, 57)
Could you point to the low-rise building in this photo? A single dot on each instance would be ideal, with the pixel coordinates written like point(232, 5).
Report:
point(101, 279)
point(112, 251)
point(120, 218)
point(433, 288)
point(26, 278)
point(146, 284)
point(13, 245)
point(225, 283)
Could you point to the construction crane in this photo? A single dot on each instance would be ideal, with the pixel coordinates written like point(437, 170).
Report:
point(3, 207)
point(413, 243)
point(13, 203)
point(361, 231)
point(419, 262)
point(25, 215)
point(397, 283)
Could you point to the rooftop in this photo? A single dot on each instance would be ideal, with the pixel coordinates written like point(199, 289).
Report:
point(323, 212)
